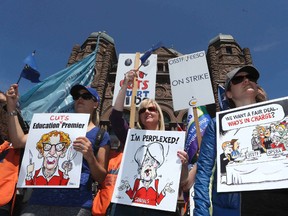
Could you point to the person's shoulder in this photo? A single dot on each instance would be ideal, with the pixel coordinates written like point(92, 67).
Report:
point(116, 113)
point(96, 129)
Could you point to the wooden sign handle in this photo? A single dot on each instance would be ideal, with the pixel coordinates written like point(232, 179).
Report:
point(198, 132)
point(134, 91)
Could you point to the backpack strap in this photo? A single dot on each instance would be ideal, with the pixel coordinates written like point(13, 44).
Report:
point(99, 137)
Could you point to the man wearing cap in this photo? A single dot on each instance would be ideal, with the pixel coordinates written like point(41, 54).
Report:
point(75, 92)
point(237, 76)
point(241, 89)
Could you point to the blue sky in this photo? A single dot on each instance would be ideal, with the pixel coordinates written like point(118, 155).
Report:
point(53, 27)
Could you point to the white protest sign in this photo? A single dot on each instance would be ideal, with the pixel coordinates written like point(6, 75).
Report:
point(190, 81)
point(49, 158)
point(252, 147)
point(255, 116)
point(146, 79)
point(150, 170)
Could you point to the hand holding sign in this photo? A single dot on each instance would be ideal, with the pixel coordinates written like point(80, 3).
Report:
point(129, 78)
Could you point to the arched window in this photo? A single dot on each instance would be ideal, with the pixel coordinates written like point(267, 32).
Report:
point(160, 67)
point(229, 50)
point(184, 119)
point(166, 119)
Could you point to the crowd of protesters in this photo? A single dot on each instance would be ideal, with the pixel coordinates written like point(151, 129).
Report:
point(241, 89)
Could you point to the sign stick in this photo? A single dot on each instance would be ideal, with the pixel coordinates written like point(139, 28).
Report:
point(134, 90)
point(198, 132)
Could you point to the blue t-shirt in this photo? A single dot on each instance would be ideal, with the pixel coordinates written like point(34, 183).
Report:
point(76, 197)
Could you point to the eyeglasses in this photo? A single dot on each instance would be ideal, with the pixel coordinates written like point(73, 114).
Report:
point(238, 79)
point(58, 147)
point(84, 96)
point(150, 109)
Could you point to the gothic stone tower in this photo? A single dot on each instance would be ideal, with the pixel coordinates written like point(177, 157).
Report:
point(224, 54)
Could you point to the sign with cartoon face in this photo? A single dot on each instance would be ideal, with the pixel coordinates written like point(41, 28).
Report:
point(49, 159)
point(252, 147)
point(149, 174)
point(190, 81)
point(146, 78)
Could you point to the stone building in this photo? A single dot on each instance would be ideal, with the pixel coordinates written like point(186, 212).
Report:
point(223, 54)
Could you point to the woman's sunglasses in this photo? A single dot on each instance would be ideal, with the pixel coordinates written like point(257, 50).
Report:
point(238, 79)
point(84, 96)
point(150, 109)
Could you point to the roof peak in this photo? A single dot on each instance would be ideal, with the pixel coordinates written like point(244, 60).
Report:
point(222, 37)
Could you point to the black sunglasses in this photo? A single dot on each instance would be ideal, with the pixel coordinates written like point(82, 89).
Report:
point(84, 96)
point(238, 79)
point(150, 109)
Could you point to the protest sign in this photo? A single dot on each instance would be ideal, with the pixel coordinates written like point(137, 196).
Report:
point(252, 143)
point(190, 81)
point(49, 159)
point(146, 78)
point(149, 174)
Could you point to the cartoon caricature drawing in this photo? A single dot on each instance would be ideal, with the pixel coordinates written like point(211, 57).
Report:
point(51, 147)
point(276, 142)
point(145, 190)
point(255, 141)
point(262, 154)
point(235, 147)
point(225, 158)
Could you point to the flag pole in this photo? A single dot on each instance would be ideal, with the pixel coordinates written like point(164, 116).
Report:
point(134, 90)
point(198, 132)
point(19, 79)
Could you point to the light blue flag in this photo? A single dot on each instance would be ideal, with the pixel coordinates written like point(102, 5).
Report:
point(53, 94)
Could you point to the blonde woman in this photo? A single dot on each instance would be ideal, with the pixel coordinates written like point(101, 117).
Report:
point(150, 117)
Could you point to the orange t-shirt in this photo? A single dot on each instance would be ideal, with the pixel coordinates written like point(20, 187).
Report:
point(9, 167)
point(104, 195)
